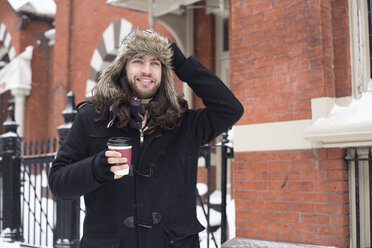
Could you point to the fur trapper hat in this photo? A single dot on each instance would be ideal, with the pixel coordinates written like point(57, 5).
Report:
point(138, 43)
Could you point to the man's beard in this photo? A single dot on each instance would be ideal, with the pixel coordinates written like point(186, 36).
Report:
point(141, 92)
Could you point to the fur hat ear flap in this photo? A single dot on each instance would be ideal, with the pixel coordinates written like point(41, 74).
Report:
point(108, 85)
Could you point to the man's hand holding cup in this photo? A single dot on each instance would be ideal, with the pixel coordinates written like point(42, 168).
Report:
point(119, 156)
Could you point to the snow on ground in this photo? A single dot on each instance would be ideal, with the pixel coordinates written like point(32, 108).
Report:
point(215, 218)
point(4, 244)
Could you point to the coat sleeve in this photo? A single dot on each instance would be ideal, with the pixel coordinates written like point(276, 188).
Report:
point(222, 108)
point(72, 175)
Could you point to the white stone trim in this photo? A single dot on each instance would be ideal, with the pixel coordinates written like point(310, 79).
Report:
point(19, 109)
point(286, 135)
point(11, 52)
point(2, 29)
point(90, 86)
point(108, 37)
point(125, 28)
point(96, 61)
point(158, 8)
point(7, 40)
point(303, 134)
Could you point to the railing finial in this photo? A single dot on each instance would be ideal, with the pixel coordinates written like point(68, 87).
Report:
point(10, 124)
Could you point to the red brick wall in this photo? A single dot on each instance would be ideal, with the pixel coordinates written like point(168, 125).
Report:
point(204, 42)
point(8, 17)
point(59, 86)
point(298, 196)
point(283, 53)
point(281, 56)
point(341, 44)
point(37, 104)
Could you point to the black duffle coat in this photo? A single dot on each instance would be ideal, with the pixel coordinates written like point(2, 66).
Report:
point(157, 208)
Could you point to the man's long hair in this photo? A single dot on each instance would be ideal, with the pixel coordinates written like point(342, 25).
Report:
point(113, 89)
point(164, 113)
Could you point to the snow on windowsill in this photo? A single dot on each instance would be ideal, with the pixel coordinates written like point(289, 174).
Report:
point(345, 126)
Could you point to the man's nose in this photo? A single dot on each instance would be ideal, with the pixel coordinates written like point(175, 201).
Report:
point(146, 68)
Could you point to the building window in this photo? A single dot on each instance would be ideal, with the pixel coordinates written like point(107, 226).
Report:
point(359, 43)
point(222, 47)
point(225, 23)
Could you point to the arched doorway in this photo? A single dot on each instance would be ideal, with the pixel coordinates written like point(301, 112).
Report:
point(106, 50)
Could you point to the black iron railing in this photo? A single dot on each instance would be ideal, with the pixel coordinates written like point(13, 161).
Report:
point(38, 206)
point(227, 152)
point(29, 213)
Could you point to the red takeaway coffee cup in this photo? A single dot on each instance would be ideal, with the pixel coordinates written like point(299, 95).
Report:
point(124, 146)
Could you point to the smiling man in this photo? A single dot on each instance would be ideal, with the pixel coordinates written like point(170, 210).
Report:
point(154, 206)
point(144, 75)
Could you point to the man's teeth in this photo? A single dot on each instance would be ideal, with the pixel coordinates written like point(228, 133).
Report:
point(145, 80)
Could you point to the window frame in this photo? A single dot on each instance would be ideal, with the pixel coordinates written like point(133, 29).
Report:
point(359, 47)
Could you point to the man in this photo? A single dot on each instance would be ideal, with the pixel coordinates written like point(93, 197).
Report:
point(154, 206)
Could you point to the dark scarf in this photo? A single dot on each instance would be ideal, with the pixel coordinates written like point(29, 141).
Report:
point(139, 118)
